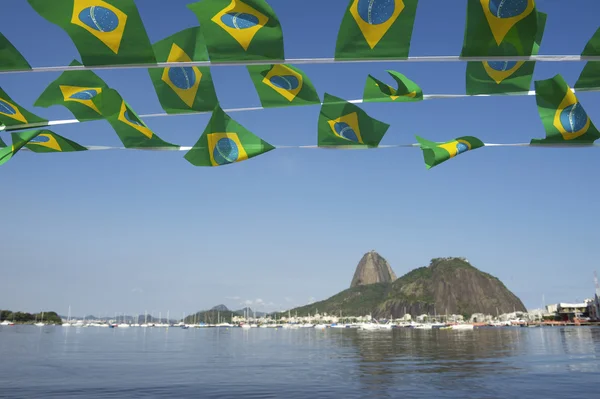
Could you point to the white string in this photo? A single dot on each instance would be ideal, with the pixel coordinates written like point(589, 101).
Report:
point(245, 109)
point(349, 147)
point(301, 61)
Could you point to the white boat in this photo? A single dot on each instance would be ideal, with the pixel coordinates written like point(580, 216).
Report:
point(462, 327)
point(68, 323)
point(340, 326)
point(369, 326)
point(246, 326)
point(320, 326)
point(7, 323)
point(41, 322)
point(426, 326)
point(306, 325)
point(123, 325)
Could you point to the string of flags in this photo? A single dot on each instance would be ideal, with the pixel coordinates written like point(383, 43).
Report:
point(111, 33)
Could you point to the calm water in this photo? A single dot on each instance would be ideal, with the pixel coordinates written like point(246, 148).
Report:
point(52, 362)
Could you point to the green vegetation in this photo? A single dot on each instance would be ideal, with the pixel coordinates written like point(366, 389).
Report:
point(211, 317)
point(449, 285)
point(29, 318)
point(356, 301)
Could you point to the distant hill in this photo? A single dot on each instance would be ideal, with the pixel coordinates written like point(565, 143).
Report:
point(219, 313)
point(446, 286)
point(372, 269)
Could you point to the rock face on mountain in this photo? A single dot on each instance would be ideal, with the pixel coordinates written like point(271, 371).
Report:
point(446, 286)
point(372, 269)
point(449, 286)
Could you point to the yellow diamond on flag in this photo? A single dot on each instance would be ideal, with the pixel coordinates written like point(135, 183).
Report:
point(241, 21)
point(184, 81)
point(101, 19)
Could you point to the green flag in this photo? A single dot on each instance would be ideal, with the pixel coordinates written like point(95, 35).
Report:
point(500, 28)
point(104, 31)
point(376, 29)
point(225, 141)
point(75, 90)
point(10, 57)
point(378, 91)
point(2, 143)
point(12, 115)
point(19, 141)
point(436, 153)
point(132, 131)
point(237, 30)
point(281, 85)
point(498, 77)
point(564, 118)
point(48, 141)
point(590, 75)
point(342, 124)
point(183, 89)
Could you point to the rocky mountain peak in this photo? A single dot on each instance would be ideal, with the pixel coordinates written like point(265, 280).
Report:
point(372, 268)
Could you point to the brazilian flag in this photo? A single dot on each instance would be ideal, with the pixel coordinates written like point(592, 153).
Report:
point(376, 29)
point(563, 117)
point(499, 77)
point(436, 153)
point(225, 141)
point(19, 141)
point(12, 115)
point(239, 30)
point(405, 91)
point(500, 28)
point(282, 85)
point(104, 31)
point(183, 89)
point(590, 75)
point(48, 141)
point(132, 131)
point(76, 91)
point(10, 57)
point(343, 124)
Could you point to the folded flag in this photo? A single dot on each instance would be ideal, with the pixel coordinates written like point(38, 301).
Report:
point(19, 141)
point(342, 124)
point(590, 75)
point(12, 114)
point(10, 57)
point(48, 141)
point(376, 29)
point(406, 90)
point(188, 88)
point(104, 31)
point(282, 85)
point(436, 153)
point(239, 29)
point(499, 77)
point(500, 28)
point(75, 90)
point(225, 141)
point(564, 118)
point(132, 131)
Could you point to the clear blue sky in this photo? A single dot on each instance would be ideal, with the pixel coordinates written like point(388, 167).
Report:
point(126, 231)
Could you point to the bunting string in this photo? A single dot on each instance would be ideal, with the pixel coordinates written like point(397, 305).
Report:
point(309, 61)
point(258, 108)
point(312, 147)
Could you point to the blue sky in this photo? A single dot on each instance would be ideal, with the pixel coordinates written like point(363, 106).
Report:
point(126, 231)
